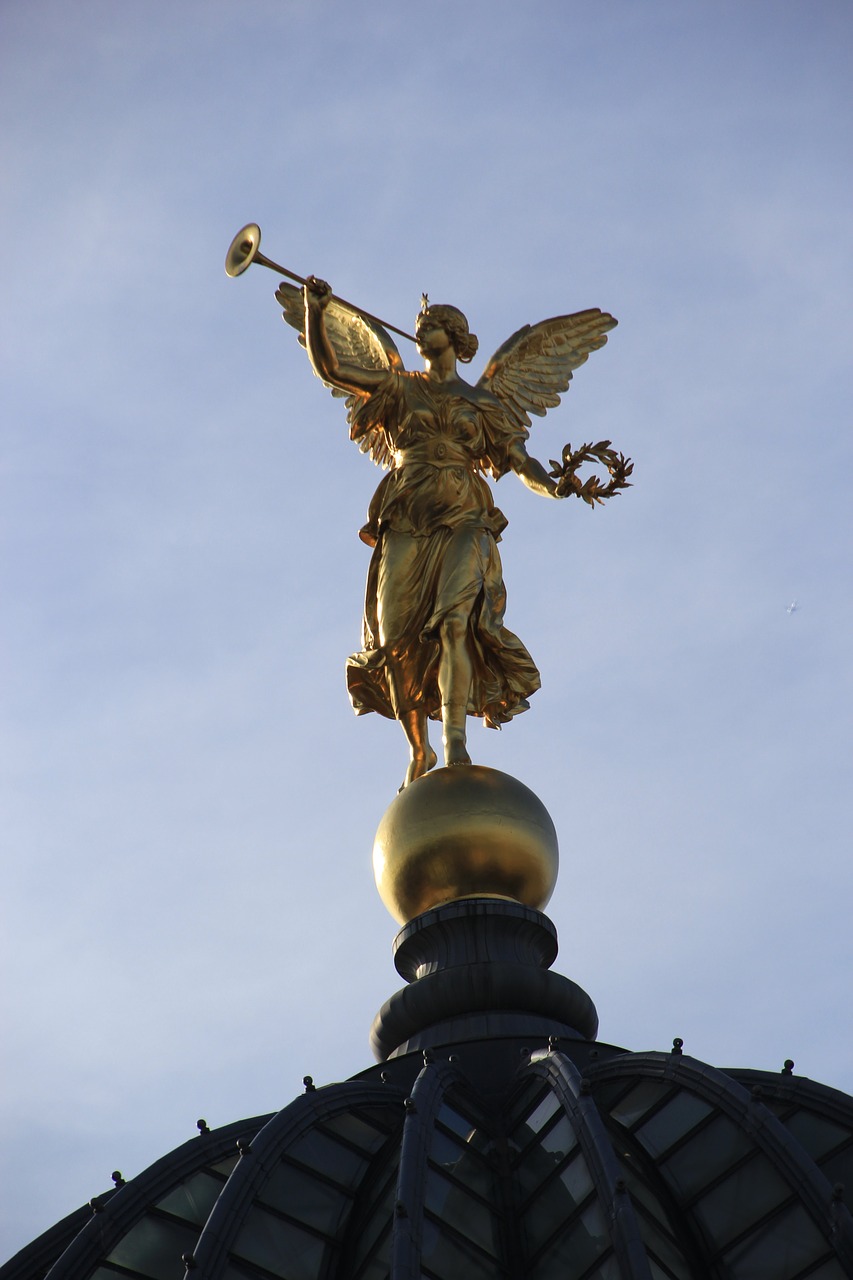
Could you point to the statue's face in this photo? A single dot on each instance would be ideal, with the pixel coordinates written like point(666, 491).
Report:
point(431, 337)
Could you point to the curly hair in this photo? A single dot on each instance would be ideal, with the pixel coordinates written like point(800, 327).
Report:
point(455, 325)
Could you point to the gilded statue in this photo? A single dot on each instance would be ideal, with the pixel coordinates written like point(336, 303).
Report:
point(434, 644)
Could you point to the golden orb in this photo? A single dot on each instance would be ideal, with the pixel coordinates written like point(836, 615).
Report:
point(464, 832)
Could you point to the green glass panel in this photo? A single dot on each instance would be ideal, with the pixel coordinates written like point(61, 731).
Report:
point(446, 1150)
point(153, 1247)
point(658, 1273)
point(193, 1199)
point(816, 1134)
point(541, 1114)
point(524, 1133)
point(376, 1269)
point(642, 1193)
point(663, 1248)
point(640, 1100)
point(560, 1140)
point(358, 1130)
point(839, 1168)
point(831, 1270)
point(480, 1146)
point(555, 1203)
point(319, 1151)
point(672, 1122)
point(296, 1193)
point(577, 1180)
point(743, 1199)
point(374, 1243)
point(607, 1092)
point(584, 1242)
point(225, 1166)
point(709, 1153)
point(608, 1269)
point(446, 1256)
point(279, 1247)
point(781, 1249)
point(524, 1101)
point(655, 1224)
point(451, 1119)
point(375, 1216)
point(456, 1209)
point(536, 1167)
point(469, 1169)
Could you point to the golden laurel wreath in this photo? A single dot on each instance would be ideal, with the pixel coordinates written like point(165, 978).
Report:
point(591, 490)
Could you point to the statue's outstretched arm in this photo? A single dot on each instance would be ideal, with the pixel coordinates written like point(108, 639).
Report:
point(320, 351)
point(532, 472)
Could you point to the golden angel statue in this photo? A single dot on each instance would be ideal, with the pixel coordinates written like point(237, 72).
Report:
point(434, 644)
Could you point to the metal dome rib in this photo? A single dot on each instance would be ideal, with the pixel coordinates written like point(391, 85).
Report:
point(784, 1186)
point(571, 1091)
point(109, 1220)
point(252, 1220)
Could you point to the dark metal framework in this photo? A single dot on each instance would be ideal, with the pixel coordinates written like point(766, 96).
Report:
point(495, 1141)
point(630, 1167)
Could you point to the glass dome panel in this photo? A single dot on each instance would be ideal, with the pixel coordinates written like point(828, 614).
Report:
point(445, 1254)
point(786, 1247)
point(578, 1246)
point(280, 1248)
point(710, 1153)
point(468, 1214)
point(640, 1101)
point(371, 1233)
point(673, 1121)
point(818, 1135)
point(153, 1248)
point(306, 1198)
point(740, 1201)
point(193, 1199)
point(829, 1270)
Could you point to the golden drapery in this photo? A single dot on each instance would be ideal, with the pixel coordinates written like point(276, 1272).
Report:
point(435, 531)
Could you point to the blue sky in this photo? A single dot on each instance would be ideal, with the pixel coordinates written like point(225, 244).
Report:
point(188, 802)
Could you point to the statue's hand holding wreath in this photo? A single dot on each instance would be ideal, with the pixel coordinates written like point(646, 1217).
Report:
point(592, 491)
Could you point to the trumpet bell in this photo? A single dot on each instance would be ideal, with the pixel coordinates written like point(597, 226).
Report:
point(243, 249)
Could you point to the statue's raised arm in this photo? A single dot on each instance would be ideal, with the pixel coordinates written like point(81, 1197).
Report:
point(350, 352)
point(359, 340)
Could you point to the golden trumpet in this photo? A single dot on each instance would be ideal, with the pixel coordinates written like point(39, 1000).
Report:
point(245, 249)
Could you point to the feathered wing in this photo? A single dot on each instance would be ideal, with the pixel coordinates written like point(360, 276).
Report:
point(355, 341)
point(534, 367)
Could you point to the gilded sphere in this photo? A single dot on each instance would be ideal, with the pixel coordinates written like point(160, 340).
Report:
point(464, 832)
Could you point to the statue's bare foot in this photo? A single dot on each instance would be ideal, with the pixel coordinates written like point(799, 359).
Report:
point(455, 750)
point(419, 765)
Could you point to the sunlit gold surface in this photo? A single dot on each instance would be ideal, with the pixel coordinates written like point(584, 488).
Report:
point(464, 832)
point(434, 643)
point(242, 249)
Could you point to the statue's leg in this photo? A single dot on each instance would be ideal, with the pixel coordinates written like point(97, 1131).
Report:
point(455, 673)
point(422, 758)
point(400, 607)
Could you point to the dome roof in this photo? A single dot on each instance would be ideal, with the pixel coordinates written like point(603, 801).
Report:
point(572, 1161)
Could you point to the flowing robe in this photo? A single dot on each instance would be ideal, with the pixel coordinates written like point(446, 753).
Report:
point(435, 529)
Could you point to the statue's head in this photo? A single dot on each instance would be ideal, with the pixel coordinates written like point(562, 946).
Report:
point(454, 324)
